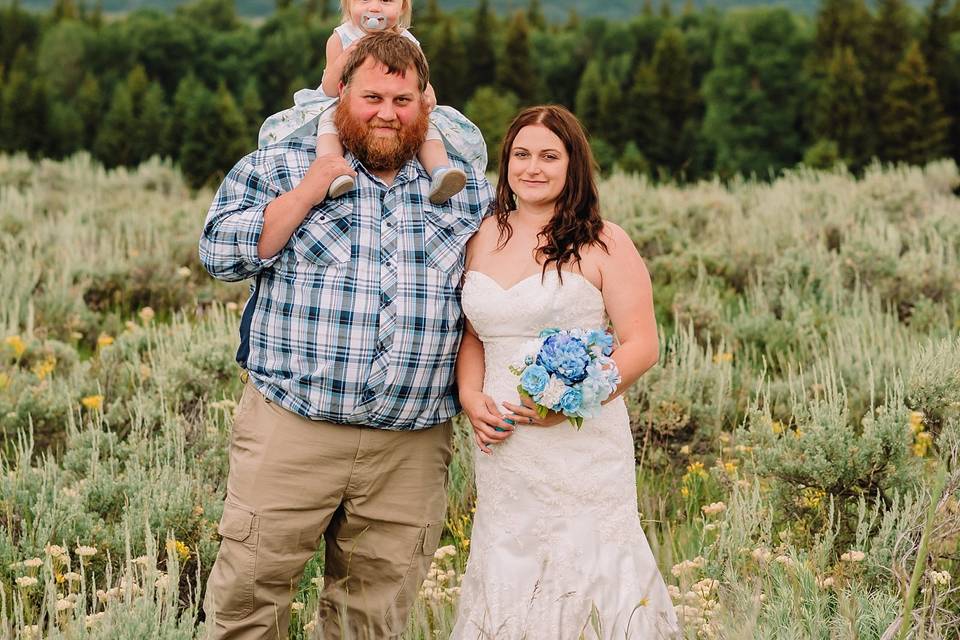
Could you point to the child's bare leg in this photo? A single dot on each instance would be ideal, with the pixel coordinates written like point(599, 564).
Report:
point(445, 181)
point(328, 143)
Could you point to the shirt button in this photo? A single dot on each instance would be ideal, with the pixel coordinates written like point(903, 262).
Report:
point(390, 224)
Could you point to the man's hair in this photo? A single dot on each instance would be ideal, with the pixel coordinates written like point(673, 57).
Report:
point(397, 53)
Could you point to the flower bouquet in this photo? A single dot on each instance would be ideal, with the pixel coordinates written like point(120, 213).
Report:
point(569, 371)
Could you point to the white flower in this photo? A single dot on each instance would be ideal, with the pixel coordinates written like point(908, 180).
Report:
point(26, 582)
point(853, 556)
point(714, 508)
point(554, 391)
point(296, 607)
point(55, 551)
point(183, 272)
point(785, 560)
point(63, 604)
point(318, 582)
point(704, 588)
point(85, 551)
point(33, 563)
point(761, 555)
point(443, 552)
point(825, 583)
point(940, 577)
point(71, 576)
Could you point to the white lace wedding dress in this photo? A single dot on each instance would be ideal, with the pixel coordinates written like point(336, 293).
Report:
point(557, 550)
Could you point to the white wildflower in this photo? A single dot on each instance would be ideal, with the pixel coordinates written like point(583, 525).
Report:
point(714, 508)
point(853, 556)
point(33, 563)
point(26, 582)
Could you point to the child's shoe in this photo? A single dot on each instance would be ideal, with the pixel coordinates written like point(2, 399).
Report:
point(445, 183)
point(340, 186)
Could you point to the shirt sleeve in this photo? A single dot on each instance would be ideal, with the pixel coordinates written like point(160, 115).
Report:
point(228, 246)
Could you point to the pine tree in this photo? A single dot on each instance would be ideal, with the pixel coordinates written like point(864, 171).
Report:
point(888, 36)
point(666, 9)
point(935, 44)
point(516, 72)
point(912, 124)
point(450, 79)
point(188, 93)
point(64, 10)
point(492, 110)
point(282, 5)
point(674, 96)
point(647, 10)
point(153, 123)
point(840, 107)
point(841, 23)
point(24, 108)
point(587, 104)
point(115, 139)
point(483, 61)
point(89, 106)
point(646, 125)
point(535, 15)
point(611, 106)
point(64, 130)
point(214, 138)
point(252, 107)
point(755, 92)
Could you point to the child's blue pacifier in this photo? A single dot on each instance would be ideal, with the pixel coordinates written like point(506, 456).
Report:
point(373, 21)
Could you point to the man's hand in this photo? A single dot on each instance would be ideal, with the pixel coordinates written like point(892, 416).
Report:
point(282, 216)
point(482, 412)
point(313, 188)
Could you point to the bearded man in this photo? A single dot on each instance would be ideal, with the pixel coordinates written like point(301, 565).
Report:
point(349, 340)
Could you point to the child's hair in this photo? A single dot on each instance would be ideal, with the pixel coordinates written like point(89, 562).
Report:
point(406, 13)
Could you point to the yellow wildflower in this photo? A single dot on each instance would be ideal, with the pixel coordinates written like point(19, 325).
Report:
point(922, 444)
point(182, 550)
point(4, 381)
point(104, 340)
point(16, 343)
point(777, 427)
point(685, 492)
point(730, 467)
point(93, 403)
point(916, 421)
point(723, 357)
point(45, 368)
point(696, 469)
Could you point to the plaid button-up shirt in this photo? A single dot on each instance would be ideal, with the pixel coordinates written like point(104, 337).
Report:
point(357, 319)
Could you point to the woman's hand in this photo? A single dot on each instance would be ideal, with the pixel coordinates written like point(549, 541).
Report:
point(526, 414)
point(485, 418)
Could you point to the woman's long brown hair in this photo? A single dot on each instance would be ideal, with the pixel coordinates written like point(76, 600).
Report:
point(577, 222)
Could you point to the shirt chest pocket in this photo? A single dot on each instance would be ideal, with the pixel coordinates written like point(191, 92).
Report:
point(324, 238)
point(445, 237)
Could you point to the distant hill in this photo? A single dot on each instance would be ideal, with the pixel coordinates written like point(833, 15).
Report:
point(555, 10)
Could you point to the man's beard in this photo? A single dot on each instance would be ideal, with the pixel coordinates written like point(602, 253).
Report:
point(377, 152)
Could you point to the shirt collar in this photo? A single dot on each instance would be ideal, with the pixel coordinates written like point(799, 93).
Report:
point(410, 171)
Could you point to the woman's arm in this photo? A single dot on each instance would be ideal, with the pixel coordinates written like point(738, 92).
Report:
point(628, 298)
point(480, 408)
point(334, 69)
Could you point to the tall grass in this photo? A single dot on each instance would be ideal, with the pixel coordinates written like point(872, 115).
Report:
point(807, 392)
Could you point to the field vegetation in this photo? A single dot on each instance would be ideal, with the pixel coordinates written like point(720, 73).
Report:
point(798, 445)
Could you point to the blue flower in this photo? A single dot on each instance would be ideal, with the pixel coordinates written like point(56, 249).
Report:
point(534, 379)
point(570, 401)
point(602, 339)
point(549, 331)
point(564, 356)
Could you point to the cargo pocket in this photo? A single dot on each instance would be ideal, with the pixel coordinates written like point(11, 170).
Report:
point(232, 578)
point(420, 561)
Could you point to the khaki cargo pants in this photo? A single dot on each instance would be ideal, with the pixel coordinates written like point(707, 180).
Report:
point(377, 497)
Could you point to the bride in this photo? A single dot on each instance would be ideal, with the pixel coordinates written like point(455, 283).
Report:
point(557, 549)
